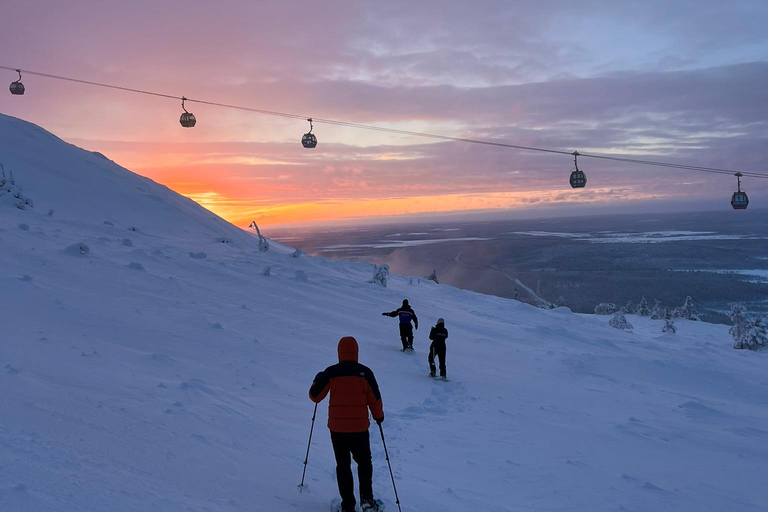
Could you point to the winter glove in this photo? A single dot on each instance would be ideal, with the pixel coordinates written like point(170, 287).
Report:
point(379, 421)
point(384, 314)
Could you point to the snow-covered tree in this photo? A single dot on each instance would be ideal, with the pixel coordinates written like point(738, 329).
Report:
point(657, 313)
point(687, 310)
point(669, 326)
point(9, 188)
point(629, 309)
point(263, 242)
point(380, 275)
point(642, 309)
point(756, 337)
point(560, 302)
point(297, 253)
point(747, 334)
point(433, 276)
point(619, 321)
point(740, 325)
point(516, 294)
point(605, 308)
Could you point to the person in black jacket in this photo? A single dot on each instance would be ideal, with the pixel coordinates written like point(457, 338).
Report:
point(438, 335)
point(405, 315)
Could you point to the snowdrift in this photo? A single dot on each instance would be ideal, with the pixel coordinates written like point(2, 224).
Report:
point(148, 363)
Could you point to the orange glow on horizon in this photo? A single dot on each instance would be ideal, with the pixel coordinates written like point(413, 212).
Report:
point(271, 191)
point(242, 212)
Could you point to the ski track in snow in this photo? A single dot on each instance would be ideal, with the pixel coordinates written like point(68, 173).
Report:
point(183, 386)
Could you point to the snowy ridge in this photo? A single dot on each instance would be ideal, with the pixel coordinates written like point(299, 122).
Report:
point(168, 373)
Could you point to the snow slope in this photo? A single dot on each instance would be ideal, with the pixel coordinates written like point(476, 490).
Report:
point(137, 377)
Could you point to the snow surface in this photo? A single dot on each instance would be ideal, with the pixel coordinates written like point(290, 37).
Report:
point(138, 378)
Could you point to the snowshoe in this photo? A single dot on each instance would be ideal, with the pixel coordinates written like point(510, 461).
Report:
point(372, 506)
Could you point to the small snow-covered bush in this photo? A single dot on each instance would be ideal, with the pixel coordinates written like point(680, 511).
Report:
point(433, 276)
point(267, 271)
point(686, 311)
point(297, 253)
point(740, 325)
point(605, 308)
point(751, 335)
point(669, 326)
point(135, 266)
point(757, 335)
point(657, 313)
point(619, 321)
point(380, 275)
point(127, 242)
point(263, 242)
point(8, 187)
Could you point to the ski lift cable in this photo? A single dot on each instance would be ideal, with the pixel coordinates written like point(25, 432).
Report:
point(396, 131)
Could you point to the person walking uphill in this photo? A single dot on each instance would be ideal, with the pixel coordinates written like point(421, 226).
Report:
point(405, 315)
point(353, 391)
point(438, 334)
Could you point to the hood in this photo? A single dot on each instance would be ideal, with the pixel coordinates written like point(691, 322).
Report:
point(348, 349)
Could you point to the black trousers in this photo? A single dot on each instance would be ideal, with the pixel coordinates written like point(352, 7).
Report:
point(437, 349)
point(358, 444)
point(406, 335)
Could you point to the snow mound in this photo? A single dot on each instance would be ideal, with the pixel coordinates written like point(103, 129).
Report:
point(87, 187)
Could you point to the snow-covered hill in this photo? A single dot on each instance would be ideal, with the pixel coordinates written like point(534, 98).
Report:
point(163, 371)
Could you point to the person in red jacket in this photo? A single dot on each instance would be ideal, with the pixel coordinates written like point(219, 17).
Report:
point(353, 391)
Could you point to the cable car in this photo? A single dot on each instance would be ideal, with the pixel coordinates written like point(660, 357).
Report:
point(309, 140)
point(739, 200)
point(187, 119)
point(578, 178)
point(17, 88)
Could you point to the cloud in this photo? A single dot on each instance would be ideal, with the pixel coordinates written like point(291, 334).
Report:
point(682, 81)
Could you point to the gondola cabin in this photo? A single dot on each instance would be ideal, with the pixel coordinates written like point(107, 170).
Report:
point(187, 120)
point(739, 201)
point(578, 179)
point(309, 140)
point(17, 88)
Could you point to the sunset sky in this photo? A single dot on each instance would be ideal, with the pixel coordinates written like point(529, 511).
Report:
point(685, 81)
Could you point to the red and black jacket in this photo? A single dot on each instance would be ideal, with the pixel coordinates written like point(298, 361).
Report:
point(353, 391)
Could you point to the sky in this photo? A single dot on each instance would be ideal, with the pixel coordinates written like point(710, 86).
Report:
point(683, 81)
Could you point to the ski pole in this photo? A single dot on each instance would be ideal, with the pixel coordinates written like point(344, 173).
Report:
point(397, 499)
point(306, 458)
